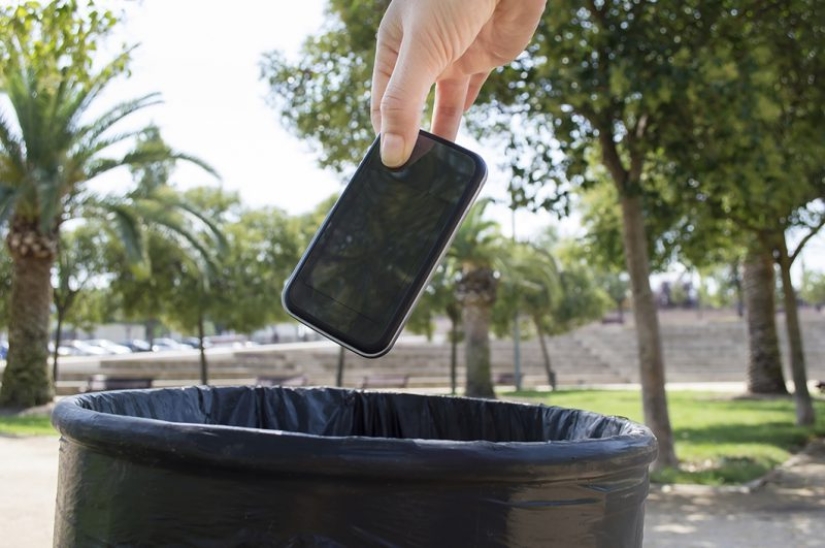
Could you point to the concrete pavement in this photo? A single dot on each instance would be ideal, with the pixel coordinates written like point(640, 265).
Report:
point(785, 509)
point(28, 486)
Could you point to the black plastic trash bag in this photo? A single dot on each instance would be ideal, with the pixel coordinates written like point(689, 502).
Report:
point(263, 466)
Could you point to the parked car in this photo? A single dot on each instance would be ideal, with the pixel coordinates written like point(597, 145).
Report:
point(194, 342)
point(137, 345)
point(110, 346)
point(164, 343)
point(4, 349)
point(63, 350)
point(83, 348)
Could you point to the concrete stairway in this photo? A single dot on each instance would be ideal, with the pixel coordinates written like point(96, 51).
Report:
point(713, 348)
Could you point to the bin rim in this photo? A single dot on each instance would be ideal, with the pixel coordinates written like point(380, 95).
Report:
point(164, 442)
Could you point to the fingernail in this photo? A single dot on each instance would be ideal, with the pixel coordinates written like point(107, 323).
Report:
point(392, 149)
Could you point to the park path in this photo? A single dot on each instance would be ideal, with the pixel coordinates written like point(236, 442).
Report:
point(786, 509)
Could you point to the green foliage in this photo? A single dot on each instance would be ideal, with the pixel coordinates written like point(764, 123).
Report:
point(80, 272)
point(478, 242)
point(239, 289)
point(753, 152)
point(48, 147)
point(438, 299)
point(812, 288)
point(605, 80)
point(54, 38)
point(264, 246)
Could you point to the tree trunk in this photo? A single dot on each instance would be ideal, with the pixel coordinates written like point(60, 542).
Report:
point(204, 365)
point(339, 371)
point(548, 366)
point(149, 327)
point(453, 356)
point(26, 380)
point(58, 332)
point(620, 310)
point(62, 303)
point(805, 415)
point(765, 360)
point(477, 293)
point(453, 310)
point(651, 359)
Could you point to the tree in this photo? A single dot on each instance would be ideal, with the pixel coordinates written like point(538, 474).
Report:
point(5, 287)
point(754, 139)
point(79, 265)
point(604, 79)
point(477, 249)
point(440, 297)
point(242, 290)
point(530, 284)
point(49, 149)
point(688, 230)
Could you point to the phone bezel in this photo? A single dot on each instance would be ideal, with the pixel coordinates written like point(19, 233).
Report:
point(396, 325)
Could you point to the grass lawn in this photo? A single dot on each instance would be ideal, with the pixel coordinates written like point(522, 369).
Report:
point(720, 438)
point(30, 425)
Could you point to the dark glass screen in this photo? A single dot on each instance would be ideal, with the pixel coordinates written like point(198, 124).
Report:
point(381, 240)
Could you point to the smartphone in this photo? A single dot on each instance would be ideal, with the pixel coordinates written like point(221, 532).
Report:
point(372, 257)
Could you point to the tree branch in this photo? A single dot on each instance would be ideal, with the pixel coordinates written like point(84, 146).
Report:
point(813, 232)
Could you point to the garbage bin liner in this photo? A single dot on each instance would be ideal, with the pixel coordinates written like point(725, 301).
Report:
point(276, 466)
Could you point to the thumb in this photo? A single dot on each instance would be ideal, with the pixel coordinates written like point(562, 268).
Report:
point(402, 104)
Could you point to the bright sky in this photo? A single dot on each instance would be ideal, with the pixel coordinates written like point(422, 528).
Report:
point(203, 59)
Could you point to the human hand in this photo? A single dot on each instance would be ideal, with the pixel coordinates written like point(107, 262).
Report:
point(454, 44)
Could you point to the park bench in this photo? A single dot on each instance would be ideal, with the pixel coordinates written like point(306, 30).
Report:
point(100, 383)
point(282, 380)
point(612, 319)
point(399, 380)
point(506, 378)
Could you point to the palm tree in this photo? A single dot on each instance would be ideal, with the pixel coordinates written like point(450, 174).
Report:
point(440, 298)
point(49, 151)
point(477, 250)
point(534, 276)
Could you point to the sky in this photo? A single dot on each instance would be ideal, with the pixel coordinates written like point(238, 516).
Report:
point(203, 58)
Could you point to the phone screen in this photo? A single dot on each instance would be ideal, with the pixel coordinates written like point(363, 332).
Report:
point(373, 255)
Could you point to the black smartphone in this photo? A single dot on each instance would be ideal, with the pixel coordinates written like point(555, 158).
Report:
point(372, 257)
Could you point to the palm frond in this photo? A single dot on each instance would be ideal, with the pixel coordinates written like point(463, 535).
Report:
point(196, 161)
point(188, 240)
point(8, 202)
point(82, 95)
point(11, 146)
point(127, 227)
point(217, 236)
point(90, 133)
point(50, 200)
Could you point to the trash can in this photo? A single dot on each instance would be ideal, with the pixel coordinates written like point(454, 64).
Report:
point(298, 467)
